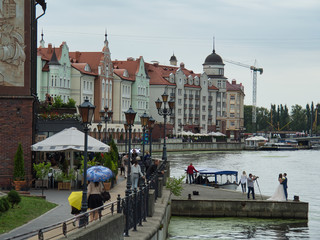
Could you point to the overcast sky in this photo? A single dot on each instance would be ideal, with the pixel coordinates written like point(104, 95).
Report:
point(282, 35)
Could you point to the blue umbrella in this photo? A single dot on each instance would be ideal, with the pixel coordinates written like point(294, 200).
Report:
point(98, 174)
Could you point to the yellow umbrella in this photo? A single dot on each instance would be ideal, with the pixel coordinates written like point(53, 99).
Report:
point(75, 199)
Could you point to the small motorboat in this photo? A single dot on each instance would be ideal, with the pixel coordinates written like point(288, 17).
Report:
point(218, 178)
point(278, 146)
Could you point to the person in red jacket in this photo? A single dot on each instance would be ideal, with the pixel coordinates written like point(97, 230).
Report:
point(190, 171)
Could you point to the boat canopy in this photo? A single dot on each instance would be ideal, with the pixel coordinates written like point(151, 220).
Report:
point(214, 171)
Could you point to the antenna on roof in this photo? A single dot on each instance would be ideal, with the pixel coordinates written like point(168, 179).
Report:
point(214, 48)
point(105, 35)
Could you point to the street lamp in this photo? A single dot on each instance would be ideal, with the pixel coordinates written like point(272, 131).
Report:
point(151, 122)
point(130, 116)
point(144, 123)
point(99, 130)
point(165, 112)
point(86, 110)
point(106, 116)
point(126, 132)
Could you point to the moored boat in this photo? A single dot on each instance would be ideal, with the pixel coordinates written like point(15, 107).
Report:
point(278, 146)
point(218, 178)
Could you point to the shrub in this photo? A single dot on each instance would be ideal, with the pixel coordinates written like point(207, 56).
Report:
point(4, 204)
point(18, 171)
point(14, 198)
point(175, 185)
point(42, 169)
point(71, 103)
point(58, 102)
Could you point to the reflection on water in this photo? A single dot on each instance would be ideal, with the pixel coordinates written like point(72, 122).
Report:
point(303, 170)
point(236, 228)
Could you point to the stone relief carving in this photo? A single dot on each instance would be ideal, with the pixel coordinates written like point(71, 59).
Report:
point(12, 55)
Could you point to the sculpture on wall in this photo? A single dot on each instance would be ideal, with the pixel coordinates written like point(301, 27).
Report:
point(12, 55)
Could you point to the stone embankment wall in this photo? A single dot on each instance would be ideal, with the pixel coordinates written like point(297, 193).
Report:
point(196, 146)
point(229, 208)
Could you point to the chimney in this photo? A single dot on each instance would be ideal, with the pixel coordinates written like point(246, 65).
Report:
point(130, 59)
point(50, 48)
point(182, 65)
point(234, 82)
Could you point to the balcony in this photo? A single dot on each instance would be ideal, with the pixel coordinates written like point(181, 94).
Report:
point(190, 105)
point(185, 116)
point(197, 116)
point(210, 98)
point(210, 107)
point(197, 106)
point(190, 96)
point(197, 97)
point(173, 95)
point(210, 117)
point(190, 115)
point(185, 95)
point(185, 106)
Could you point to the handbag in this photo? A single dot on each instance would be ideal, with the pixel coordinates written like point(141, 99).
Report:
point(105, 196)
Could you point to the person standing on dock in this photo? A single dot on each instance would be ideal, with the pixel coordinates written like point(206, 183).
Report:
point(190, 172)
point(250, 181)
point(243, 181)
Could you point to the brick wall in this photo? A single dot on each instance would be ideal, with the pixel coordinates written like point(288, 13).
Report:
point(15, 127)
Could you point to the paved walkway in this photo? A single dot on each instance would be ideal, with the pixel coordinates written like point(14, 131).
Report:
point(62, 211)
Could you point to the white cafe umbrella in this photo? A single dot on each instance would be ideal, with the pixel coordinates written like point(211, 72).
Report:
point(69, 139)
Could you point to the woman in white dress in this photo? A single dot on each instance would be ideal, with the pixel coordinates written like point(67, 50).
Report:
point(279, 193)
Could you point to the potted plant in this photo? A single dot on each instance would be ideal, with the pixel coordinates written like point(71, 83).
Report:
point(64, 180)
point(42, 170)
point(19, 171)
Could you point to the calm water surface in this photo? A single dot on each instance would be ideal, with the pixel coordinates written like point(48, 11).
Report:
point(303, 169)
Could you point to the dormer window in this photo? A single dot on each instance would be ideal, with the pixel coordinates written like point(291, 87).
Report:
point(87, 68)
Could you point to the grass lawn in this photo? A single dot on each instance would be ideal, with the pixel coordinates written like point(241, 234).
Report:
point(28, 209)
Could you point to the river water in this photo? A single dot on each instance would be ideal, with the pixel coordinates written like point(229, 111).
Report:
point(303, 169)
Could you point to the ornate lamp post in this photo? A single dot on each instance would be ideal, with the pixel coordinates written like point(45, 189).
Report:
point(126, 130)
point(86, 110)
point(144, 122)
point(99, 126)
point(106, 116)
point(130, 116)
point(151, 122)
point(165, 112)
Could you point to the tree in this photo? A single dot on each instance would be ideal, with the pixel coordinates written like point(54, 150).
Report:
point(263, 116)
point(248, 118)
point(298, 118)
point(18, 171)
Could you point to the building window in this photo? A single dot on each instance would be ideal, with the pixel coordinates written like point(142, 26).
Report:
point(204, 108)
point(179, 111)
point(232, 97)
point(179, 92)
point(203, 117)
point(232, 115)
point(204, 98)
point(180, 102)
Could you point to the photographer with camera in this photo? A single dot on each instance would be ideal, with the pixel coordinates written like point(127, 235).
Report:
point(250, 181)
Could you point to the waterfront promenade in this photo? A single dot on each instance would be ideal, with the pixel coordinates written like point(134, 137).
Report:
point(62, 213)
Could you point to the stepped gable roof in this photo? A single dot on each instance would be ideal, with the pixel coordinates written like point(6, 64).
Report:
point(131, 65)
point(81, 67)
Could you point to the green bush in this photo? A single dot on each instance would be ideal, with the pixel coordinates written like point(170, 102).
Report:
point(175, 185)
point(4, 204)
point(42, 169)
point(14, 198)
point(18, 171)
point(71, 103)
point(58, 102)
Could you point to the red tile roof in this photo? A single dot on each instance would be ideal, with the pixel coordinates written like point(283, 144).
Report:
point(131, 65)
point(80, 67)
point(91, 58)
point(234, 86)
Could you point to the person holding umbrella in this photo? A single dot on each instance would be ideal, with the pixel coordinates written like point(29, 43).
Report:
point(96, 175)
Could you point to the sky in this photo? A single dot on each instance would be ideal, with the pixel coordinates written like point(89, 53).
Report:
point(282, 37)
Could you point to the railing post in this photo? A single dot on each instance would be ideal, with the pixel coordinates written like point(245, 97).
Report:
point(145, 203)
point(119, 204)
point(135, 208)
point(141, 204)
